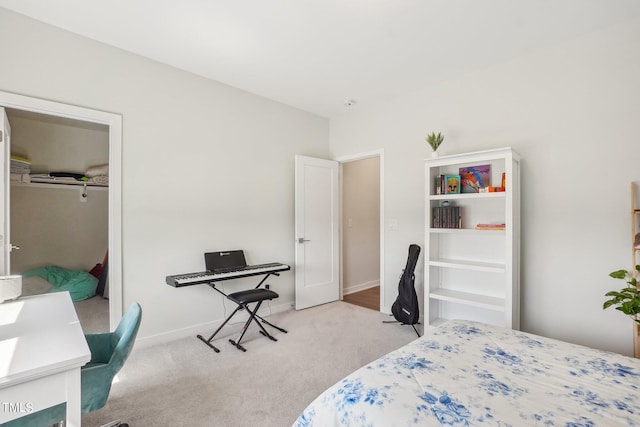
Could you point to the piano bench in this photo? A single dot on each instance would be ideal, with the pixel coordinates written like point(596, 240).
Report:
point(252, 295)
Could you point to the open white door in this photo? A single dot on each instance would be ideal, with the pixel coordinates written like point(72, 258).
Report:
point(5, 159)
point(317, 215)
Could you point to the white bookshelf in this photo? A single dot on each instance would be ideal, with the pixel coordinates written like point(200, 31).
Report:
point(474, 274)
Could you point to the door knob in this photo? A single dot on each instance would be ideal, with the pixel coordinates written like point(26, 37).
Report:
point(302, 240)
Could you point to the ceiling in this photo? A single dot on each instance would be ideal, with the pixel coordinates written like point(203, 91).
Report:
point(317, 54)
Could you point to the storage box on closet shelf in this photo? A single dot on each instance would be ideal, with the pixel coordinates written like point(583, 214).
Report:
point(20, 168)
point(98, 174)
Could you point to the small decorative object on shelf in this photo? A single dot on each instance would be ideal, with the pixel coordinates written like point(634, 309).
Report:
point(491, 190)
point(434, 140)
point(452, 183)
point(475, 178)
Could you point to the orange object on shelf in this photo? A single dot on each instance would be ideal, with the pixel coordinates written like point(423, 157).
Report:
point(490, 226)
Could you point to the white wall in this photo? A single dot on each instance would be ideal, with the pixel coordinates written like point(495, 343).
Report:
point(205, 166)
point(360, 224)
point(571, 112)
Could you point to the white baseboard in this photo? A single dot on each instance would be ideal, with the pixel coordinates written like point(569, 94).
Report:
point(360, 287)
point(206, 329)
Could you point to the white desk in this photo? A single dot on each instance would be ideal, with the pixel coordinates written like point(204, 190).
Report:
point(42, 348)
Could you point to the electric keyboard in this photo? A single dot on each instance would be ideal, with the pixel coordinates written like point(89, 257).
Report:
point(189, 279)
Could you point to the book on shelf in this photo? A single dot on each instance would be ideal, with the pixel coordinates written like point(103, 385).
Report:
point(439, 181)
point(490, 226)
point(447, 217)
point(447, 184)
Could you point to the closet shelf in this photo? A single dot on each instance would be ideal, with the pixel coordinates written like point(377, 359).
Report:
point(59, 184)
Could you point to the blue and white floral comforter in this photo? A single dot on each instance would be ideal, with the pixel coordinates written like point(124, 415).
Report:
point(466, 374)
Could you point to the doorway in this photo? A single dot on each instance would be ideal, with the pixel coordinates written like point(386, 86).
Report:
point(361, 237)
point(112, 123)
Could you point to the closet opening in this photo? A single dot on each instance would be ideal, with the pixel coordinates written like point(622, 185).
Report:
point(58, 209)
point(64, 205)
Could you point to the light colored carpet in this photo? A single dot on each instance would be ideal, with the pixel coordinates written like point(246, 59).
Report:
point(93, 313)
point(185, 383)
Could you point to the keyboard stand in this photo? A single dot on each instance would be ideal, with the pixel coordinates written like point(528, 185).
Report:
point(243, 299)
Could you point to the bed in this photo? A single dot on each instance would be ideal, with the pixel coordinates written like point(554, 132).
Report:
point(466, 373)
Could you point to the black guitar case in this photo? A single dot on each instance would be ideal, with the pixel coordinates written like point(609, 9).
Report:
point(405, 308)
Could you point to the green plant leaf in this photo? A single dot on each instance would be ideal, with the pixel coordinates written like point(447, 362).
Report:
point(620, 274)
point(627, 299)
point(616, 294)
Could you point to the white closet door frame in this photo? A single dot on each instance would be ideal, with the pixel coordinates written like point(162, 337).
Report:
point(114, 122)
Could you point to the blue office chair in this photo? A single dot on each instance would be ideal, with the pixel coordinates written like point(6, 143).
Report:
point(109, 351)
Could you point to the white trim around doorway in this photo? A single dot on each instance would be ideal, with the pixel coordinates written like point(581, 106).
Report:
point(114, 122)
point(360, 156)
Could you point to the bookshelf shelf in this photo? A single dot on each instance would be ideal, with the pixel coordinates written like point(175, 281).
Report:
point(470, 299)
point(470, 273)
point(469, 231)
point(495, 195)
point(468, 265)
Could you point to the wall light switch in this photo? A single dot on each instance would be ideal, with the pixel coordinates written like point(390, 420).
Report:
point(349, 223)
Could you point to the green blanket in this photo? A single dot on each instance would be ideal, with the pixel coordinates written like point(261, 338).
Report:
point(80, 284)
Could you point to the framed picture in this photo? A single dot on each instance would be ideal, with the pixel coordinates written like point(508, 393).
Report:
point(452, 184)
point(474, 178)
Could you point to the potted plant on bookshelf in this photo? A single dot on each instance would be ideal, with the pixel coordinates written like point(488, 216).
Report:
point(434, 140)
point(627, 299)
